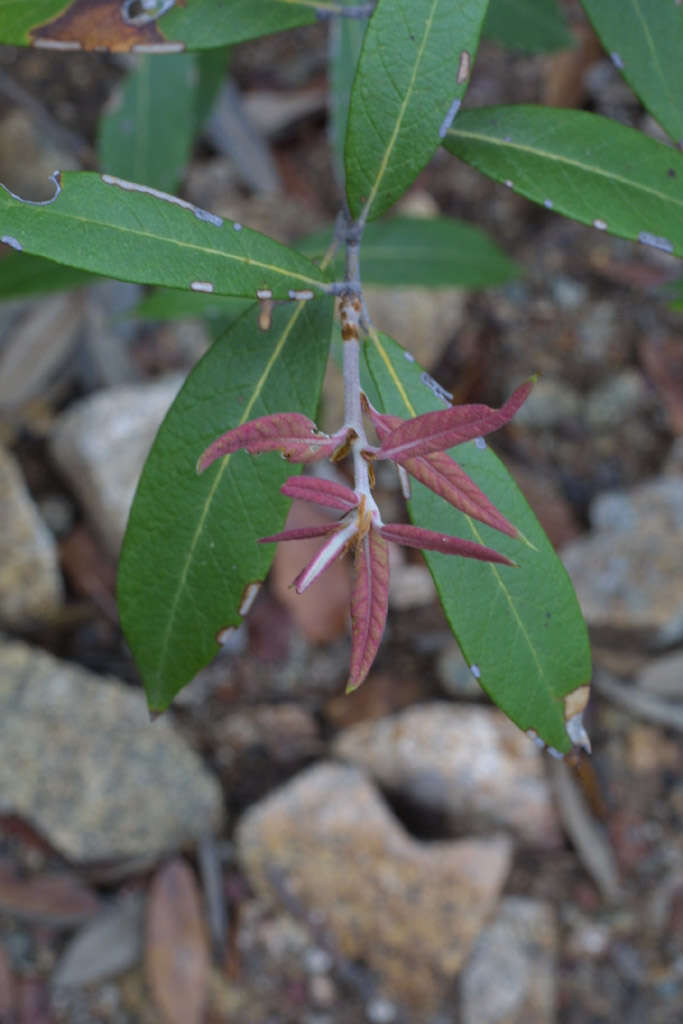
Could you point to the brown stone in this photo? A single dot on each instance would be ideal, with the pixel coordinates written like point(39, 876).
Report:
point(327, 844)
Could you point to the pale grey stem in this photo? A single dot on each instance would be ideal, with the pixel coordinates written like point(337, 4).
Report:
point(351, 310)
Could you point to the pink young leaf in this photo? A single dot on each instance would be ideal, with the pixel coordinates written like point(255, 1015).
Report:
point(321, 492)
point(440, 430)
point(291, 433)
point(300, 533)
point(417, 537)
point(383, 423)
point(331, 550)
point(445, 477)
point(369, 604)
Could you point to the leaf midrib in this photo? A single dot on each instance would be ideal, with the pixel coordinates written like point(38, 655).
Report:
point(475, 532)
point(401, 114)
point(258, 388)
point(189, 246)
point(611, 176)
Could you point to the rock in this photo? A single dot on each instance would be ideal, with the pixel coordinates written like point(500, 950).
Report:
point(623, 396)
point(101, 443)
point(549, 504)
point(468, 764)
point(454, 674)
point(664, 676)
point(551, 404)
point(510, 977)
point(257, 747)
point(37, 344)
point(82, 763)
point(328, 844)
point(421, 319)
point(31, 588)
point(628, 573)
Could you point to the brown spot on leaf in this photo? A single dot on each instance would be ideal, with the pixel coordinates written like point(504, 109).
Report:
point(97, 25)
point(575, 702)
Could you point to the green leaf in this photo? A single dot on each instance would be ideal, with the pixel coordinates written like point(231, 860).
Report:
point(194, 25)
point(346, 40)
point(23, 274)
point(212, 66)
point(521, 628)
point(135, 138)
point(420, 251)
point(169, 304)
point(581, 165)
point(204, 24)
point(191, 560)
point(128, 232)
point(645, 41)
point(413, 71)
point(532, 26)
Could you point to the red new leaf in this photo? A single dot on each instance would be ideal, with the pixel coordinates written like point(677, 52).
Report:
point(300, 533)
point(321, 492)
point(291, 433)
point(369, 605)
point(445, 477)
point(440, 430)
point(417, 537)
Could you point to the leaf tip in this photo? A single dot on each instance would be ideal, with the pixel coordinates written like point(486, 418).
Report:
point(574, 706)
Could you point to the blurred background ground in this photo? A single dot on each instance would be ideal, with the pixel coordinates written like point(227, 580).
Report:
point(272, 851)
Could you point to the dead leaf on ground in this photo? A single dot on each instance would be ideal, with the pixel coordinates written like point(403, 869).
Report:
point(564, 74)
point(89, 570)
point(53, 898)
point(33, 1002)
point(662, 358)
point(176, 949)
point(107, 946)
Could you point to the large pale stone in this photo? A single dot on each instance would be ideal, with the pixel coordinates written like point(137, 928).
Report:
point(82, 762)
point(408, 910)
point(101, 444)
point(31, 588)
point(510, 977)
point(466, 763)
point(628, 572)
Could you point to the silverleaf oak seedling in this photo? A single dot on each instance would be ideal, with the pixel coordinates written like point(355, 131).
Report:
point(198, 544)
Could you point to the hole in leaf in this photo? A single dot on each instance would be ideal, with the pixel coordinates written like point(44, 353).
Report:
point(141, 12)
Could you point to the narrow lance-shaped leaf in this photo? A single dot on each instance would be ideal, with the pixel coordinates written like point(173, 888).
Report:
point(170, 304)
point(23, 274)
point(581, 165)
point(442, 474)
point(132, 232)
point(135, 140)
point(532, 26)
point(430, 540)
point(521, 629)
point(645, 41)
point(345, 41)
point(369, 605)
point(164, 26)
point(412, 74)
point(430, 252)
point(444, 428)
point(291, 433)
point(191, 561)
point(323, 492)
